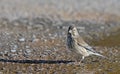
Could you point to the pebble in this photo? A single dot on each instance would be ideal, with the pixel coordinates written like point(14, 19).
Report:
point(13, 50)
point(1, 53)
point(1, 73)
point(102, 27)
point(27, 46)
point(5, 52)
point(22, 39)
point(35, 40)
point(28, 51)
point(15, 47)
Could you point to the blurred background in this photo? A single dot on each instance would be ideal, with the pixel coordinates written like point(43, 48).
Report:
point(68, 9)
point(33, 36)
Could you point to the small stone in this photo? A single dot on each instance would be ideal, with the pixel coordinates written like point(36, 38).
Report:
point(5, 52)
point(27, 51)
point(19, 72)
point(16, 23)
point(29, 27)
point(35, 40)
point(102, 27)
point(39, 26)
point(27, 46)
point(1, 73)
point(22, 39)
point(15, 47)
point(13, 50)
point(1, 53)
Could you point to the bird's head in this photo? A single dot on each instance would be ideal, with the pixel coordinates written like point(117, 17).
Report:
point(72, 30)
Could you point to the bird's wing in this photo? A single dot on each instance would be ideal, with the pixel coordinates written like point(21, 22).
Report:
point(82, 43)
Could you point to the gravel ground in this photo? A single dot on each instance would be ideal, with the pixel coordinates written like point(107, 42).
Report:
point(33, 36)
point(38, 46)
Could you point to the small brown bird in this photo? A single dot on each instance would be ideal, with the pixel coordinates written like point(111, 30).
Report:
point(77, 44)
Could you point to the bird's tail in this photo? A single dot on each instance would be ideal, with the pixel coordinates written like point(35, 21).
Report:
point(97, 54)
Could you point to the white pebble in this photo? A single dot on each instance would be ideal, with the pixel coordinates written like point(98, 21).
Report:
point(22, 39)
point(13, 50)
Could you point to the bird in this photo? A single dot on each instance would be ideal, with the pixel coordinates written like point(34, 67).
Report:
point(76, 44)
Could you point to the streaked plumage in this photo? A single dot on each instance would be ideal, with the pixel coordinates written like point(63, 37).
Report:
point(76, 44)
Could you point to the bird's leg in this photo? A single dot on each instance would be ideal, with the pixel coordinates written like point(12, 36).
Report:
point(82, 59)
point(80, 62)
